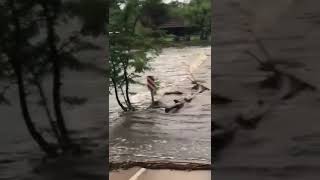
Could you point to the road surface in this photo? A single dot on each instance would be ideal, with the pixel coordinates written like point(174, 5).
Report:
point(144, 174)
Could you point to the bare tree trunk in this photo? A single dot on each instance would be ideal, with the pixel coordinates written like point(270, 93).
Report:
point(124, 96)
point(48, 113)
point(116, 89)
point(16, 59)
point(125, 68)
point(54, 58)
point(44, 145)
point(117, 96)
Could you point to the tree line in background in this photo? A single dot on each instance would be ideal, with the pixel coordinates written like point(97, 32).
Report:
point(135, 37)
point(31, 49)
point(196, 13)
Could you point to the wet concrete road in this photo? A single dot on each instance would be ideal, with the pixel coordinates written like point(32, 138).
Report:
point(152, 134)
point(285, 144)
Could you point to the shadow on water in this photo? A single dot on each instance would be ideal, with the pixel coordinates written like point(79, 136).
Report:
point(20, 157)
point(31, 164)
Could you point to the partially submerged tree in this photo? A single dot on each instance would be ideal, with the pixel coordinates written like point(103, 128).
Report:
point(16, 30)
point(27, 57)
point(130, 51)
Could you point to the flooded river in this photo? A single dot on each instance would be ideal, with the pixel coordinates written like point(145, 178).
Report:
point(152, 134)
point(21, 158)
point(285, 142)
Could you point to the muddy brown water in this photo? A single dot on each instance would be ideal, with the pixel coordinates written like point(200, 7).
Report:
point(285, 143)
point(152, 134)
point(20, 157)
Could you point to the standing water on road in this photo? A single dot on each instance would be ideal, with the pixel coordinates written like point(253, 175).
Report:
point(153, 135)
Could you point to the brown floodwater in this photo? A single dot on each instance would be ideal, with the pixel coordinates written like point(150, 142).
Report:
point(152, 134)
point(20, 157)
point(285, 142)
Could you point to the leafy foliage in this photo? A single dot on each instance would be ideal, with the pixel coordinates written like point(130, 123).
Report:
point(154, 13)
point(130, 50)
point(93, 14)
point(198, 13)
point(31, 46)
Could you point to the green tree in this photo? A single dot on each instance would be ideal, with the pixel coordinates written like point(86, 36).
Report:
point(198, 13)
point(60, 52)
point(16, 31)
point(153, 13)
point(130, 51)
point(26, 58)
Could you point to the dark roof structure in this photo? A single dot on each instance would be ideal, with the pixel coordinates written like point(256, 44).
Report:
point(176, 26)
point(173, 23)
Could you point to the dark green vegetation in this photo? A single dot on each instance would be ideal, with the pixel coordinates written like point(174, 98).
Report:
point(196, 16)
point(139, 29)
point(31, 49)
point(130, 49)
